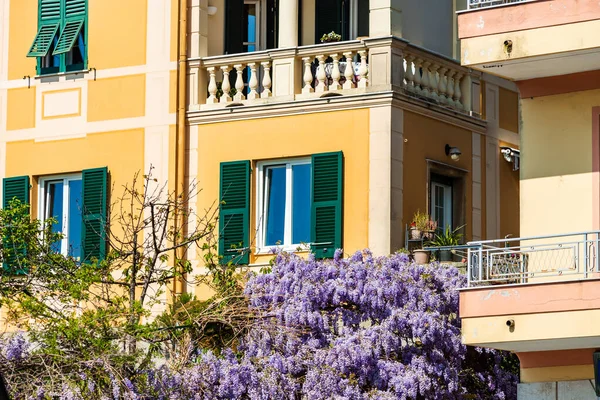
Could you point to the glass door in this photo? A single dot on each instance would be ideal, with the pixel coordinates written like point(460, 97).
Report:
point(441, 205)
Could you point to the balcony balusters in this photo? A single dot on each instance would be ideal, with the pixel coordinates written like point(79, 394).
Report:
point(349, 71)
point(253, 78)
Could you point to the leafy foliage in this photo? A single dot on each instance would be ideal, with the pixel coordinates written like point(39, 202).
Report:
point(363, 327)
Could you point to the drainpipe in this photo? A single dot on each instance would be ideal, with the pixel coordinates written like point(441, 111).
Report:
point(180, 138)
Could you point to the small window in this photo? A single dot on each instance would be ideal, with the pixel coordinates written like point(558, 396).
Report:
point(60, 43)
point(284, 207)
point(61, 198)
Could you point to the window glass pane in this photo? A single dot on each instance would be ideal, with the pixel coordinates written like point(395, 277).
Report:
point(250, 26)
point(53, 207)
point(301, 203)
point(75, 219)
point(275, 201)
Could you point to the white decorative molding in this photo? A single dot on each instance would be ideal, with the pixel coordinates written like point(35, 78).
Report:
point(61, 103)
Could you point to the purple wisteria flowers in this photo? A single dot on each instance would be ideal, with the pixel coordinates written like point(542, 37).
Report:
point(361, 327)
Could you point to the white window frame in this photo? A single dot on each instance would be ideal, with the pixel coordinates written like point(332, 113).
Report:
point(261, 23)
point(261, 248)
point(42, 203)
point(447, 206)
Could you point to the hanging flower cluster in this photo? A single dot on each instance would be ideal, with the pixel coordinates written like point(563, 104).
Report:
point(363, 327)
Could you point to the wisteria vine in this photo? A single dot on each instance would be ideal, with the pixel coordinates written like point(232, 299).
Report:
point(361, 327)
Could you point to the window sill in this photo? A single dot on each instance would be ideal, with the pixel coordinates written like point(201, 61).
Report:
point(67, 74)
point(288, 249)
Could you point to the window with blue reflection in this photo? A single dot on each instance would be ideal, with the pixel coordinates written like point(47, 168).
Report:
point(62, 200)
point(75, 219)
point(54, 208)
point(286, 207)
point(275, 188)
point(300, 203)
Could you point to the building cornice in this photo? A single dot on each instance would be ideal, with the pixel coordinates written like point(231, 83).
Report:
point(338, 103)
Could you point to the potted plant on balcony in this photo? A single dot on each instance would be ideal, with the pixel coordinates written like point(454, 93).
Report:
point(421, 256)
point(331, 37)
point(447, 238)
point(418, 225)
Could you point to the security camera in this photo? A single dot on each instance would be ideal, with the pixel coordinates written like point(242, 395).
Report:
point(510, 323)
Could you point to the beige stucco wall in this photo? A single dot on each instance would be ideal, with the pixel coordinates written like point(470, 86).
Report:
point(556, 163)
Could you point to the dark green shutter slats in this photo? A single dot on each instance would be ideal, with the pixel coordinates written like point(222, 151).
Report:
point(68, 37)
point(94, 211)
point(75, 8)
point(14, 188)
point(49, 9)
point(234, 216)
point(49, 17)
point(327, 203)
point(43, 40)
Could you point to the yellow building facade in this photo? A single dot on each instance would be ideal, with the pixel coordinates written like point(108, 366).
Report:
point(272, 96)
point(87, 100)
point(546, 308)
point(304, 146)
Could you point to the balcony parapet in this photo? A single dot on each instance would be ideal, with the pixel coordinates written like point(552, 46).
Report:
point(535, 259)
point(334, 69)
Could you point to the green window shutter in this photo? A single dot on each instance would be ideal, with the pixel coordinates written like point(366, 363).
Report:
point(234, 215)
point(49, 18)
point(74, 18)
point(14, 188)
point(94, 212)
point(43, 40)
point(75, 8)
point(68, 36)
point(50, 10)
point(326, 203)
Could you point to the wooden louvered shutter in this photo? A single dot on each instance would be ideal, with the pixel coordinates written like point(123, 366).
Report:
point(75, 15)
point(234, 29)
point(234, 216)
point(16, 188)
point(94, 213)
point(49, 19)
point(326, 203)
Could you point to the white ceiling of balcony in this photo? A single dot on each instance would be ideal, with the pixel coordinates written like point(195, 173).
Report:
point(544, 345)
point(543, 66)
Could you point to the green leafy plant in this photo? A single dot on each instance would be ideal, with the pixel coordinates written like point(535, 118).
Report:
point(420, 221)
point(448, 237)
point(331, 37)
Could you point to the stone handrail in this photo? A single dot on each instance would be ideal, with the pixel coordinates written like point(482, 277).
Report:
point(343, 68)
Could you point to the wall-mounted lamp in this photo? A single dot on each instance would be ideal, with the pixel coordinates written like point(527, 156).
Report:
point(512, 156)
point(453, 152)
point(211, 10)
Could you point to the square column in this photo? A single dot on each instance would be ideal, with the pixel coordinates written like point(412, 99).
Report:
point(385, 18)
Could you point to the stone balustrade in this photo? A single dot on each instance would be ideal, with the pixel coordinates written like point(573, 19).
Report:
point(342, 68)
point(435, 78)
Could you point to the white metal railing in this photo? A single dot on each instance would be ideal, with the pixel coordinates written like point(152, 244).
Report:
point(474, 4)
point(569, 256)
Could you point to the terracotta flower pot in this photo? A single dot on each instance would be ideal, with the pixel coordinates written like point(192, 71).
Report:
point(421, 256)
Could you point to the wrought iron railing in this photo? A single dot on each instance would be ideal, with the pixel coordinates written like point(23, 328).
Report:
point(473, 4)
point(570, 256)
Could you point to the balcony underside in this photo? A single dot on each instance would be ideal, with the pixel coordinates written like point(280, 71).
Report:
point(533, 317)
point(543, 66)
